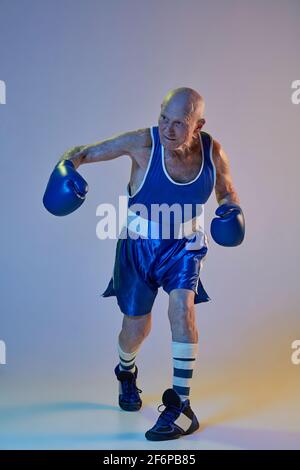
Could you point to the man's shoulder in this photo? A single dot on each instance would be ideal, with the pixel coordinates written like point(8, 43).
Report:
point(140, 146)
point(220, 157)
point(141, 138)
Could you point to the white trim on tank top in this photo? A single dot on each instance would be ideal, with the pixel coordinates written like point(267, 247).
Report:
point(164, 168)
point(147, 170)
point(212, 162)
point(167, 174)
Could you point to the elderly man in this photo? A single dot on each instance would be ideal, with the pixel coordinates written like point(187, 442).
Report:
point(172, 163)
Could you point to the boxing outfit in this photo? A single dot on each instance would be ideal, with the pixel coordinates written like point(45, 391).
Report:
point(145, 260)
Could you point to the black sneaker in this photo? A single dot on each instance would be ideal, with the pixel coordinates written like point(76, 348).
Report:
point(176, 420)
point(129, 399)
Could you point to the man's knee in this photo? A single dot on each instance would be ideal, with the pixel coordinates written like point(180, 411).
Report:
point(182, 312)
point(139, 326)
point(181, 304)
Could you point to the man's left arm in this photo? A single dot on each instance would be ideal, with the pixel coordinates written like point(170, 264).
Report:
point(224, 188)
point(228, 229)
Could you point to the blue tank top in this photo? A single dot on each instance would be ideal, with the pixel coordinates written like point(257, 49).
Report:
point(158, 187)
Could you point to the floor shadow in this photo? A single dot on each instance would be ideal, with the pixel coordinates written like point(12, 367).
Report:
point(22, 411)
point(250, 438)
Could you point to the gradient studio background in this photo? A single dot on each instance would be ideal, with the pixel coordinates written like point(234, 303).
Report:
point(77, 72)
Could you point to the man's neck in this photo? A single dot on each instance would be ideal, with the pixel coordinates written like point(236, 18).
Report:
point(185, 151)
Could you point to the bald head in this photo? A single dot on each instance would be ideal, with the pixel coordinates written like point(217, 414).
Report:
point(185, 100)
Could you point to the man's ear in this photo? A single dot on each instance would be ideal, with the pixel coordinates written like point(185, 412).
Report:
point(200, 124)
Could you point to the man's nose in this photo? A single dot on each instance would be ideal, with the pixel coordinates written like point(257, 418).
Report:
point(169, 128)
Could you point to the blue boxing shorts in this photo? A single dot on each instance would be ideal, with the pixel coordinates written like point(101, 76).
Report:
point(142, 265)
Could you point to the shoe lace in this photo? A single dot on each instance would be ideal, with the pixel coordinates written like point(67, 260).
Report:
point(168, 415)
point(131, 390)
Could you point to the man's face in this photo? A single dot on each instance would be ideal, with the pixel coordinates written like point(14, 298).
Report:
point(176, 127)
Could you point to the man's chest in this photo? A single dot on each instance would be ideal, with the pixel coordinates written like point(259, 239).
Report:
point(182, 170)
point(178, 170)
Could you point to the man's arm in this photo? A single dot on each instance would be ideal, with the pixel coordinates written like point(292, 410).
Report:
point(127, 143)
point(66, 189)
point(228, 228)
point(224, 187)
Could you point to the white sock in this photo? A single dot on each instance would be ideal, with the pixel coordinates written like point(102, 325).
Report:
point(127, 360)
point(184, 358)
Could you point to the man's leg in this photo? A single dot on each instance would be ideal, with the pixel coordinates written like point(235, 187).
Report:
point(178, 419)
point(134, 331)
point(184, 339)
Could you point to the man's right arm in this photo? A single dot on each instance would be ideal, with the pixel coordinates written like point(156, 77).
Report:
point(128, 143)
point(66, 189)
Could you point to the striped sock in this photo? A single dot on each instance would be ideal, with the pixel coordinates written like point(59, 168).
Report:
point(184, 357)
point(127, 360)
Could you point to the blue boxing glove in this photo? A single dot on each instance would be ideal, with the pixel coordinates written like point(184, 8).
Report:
point(66, 189)
point(228, 229)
